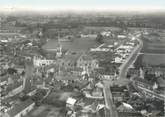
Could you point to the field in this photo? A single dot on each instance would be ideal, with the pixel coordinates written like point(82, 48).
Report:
point(80, 44)
point(46, 111)
point(154, 59)
point(150, 60)
point(155, 45)
point(153, 51)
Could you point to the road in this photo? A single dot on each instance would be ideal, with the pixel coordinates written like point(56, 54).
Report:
point(130, 60)
point(110, 106)
point(111, 109)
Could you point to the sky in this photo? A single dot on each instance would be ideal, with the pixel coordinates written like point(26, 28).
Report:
point(84, 4)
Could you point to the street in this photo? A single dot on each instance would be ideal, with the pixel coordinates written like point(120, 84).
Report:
point(111, 109)
point(130, 60)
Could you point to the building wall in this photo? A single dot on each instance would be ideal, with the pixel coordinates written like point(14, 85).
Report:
point(41, 62)
point(67, 64)
point(87, 65)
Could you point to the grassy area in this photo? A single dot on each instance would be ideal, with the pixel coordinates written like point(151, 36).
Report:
point(80, 44)
point(154, 59)
point(151, 60)
point(46, 111)
point(153, 46)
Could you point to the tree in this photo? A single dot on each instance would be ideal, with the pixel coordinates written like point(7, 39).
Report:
point(99, 38)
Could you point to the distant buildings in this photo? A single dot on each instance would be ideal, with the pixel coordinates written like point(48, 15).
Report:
point(88, 35)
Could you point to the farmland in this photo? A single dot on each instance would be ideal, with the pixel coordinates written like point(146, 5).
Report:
point(150, 60)
point(153, 44)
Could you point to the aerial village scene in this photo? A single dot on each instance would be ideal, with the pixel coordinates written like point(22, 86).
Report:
point(91, 64)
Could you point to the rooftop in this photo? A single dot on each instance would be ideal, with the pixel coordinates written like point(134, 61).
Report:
point(143, 81)
point(86, 57)
point(71, 57)
point(71, 101)
point(18, 108)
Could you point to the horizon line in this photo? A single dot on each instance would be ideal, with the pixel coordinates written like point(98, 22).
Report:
point(76, 9)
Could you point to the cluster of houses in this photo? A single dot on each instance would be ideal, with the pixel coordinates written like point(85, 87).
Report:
point(123, 51)
point(91, 104)
point(39, 61)
point(75, 62)
point(20, 109)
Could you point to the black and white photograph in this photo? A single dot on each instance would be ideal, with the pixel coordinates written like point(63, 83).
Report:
point(82, 58)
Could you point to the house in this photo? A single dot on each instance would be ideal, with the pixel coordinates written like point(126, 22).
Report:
point(38, 62)
point(66, 77)
point(75, 71)
point(118, 92)
point(103, 74)
point(121, 36)
point(4, 80)
point(88, 35)
point(106, 33)
point(97, 92)
point(16, 90)
point(158, 71)
point(143, 83)
point(76, 63)
point(161, 83)
point(125, 107)
point(21, 109)
point(90, 108)
point(66, 38)
point(70, 102)
point(10, 88)
point(69, 60)
point(99, 49)
point(87, 63)
point(126, 110)
point(118, 60)
point(133, 71)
